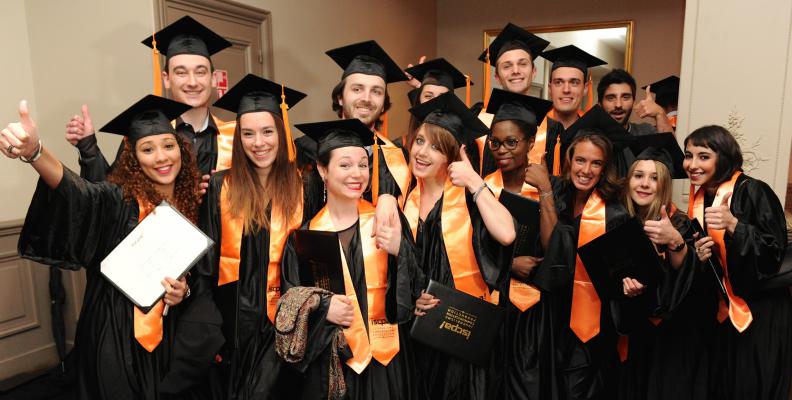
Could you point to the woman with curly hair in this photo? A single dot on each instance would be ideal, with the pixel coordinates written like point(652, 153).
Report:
point(249, 211)
point(121, 351)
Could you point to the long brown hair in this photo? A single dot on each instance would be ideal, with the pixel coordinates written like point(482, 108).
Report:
point(443, 139)
point(662, 197)
point(248, 199)
point(136, 185)
point(608, 184)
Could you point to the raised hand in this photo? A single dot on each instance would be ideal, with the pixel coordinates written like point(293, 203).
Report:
point(647, 107)
point(388, 236)
point(79, 126)
point(340, 311)
point(537, 176)
point(662, 232)
point(412, 81)
point(462, 173)
point(20, 138)
point(720, 217)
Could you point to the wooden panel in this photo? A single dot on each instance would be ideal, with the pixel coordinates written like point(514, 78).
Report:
point(17, 311)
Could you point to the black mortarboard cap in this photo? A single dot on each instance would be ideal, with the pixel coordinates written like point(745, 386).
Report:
point(367, 58)
point(666, 90)
point(598, 120)
point(438, 72)
point(253, 93)
point(513, 106)
point(513, 37)
point(330, 135)
point(572, 56)
point(661, 147)
point(151, 115)
point(306, 150)
point(187, 36)
point(450, 113)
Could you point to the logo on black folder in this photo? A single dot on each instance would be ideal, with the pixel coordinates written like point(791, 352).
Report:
point(459, 322)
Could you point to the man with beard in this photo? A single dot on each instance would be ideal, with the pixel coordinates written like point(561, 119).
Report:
point(188, 74)
point(362, 93)
point(616, 93)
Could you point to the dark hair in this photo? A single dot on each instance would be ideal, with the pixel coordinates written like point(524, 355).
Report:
point(525, 128)
point(723, 143)
point(614, 77)
point(338, 91)
point(608, 185)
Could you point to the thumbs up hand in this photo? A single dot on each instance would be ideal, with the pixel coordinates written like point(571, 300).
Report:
point(647, 107)
point(537, 176)
point(20, 138)
point(79, 126)
point(462, 173)
point(720, 217)
point(662, 232)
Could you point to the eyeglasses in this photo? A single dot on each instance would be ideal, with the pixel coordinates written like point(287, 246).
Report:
point(509, 144)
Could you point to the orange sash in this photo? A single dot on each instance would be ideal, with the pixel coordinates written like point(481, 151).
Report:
point(672, 120)
point(585, 316)
point(231, 232)
point(737, 309)
point(540, 145)
point(481, 141)
point(225, 141)
point(457, 237)
point(148, 326)
point(521, 294)
point(382, 339)
point(397, 165)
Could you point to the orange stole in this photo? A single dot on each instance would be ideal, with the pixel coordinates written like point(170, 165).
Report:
point(521, 294)
point(481, 141)
point(382, 339)
point(148, 326)
point(397, 165)
point(225, 140)
point(737, 309)
point(673, 121)
point(585, 316)
point(539, 148)
point(231, 232)
point(457, 237)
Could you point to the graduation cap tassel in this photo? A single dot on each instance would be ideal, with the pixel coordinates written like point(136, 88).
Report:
point(557, 157)
point(157, 75)
point(286, 127)
point(590, 95)
point(375, 156)
point(487, 84)
point(467, 91)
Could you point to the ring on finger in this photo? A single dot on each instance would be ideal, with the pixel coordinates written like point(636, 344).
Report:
point(10, 149)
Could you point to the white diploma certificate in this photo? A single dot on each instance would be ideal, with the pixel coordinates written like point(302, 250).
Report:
point(164, 244)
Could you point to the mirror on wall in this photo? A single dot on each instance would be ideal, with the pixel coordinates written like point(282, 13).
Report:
point(610, 41)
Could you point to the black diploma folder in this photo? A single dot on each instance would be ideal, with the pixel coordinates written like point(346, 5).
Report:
point(461, 326)
point(319, 260)
point(526, 213)
point(620, 253)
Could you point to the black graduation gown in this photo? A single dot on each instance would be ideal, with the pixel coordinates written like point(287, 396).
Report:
point(443, 376)
point(672, 360)
point(77, 225)
point(249, 367)
point(757, 363)
point(309, 378)
point(95, 168)
point(588, 370)
point(526, 366)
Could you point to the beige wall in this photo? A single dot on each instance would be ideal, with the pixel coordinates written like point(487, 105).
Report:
point(657, 37)
point(742, 67)
point(99, 60)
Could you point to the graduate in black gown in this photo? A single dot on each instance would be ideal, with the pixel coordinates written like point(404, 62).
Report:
point(527, 342)
point(379, 289)
point(188, 74)
point(249, 211)
point(586, 199)
point(667, 350)
point(454, 218)
point(74, 224)
point(746, 236)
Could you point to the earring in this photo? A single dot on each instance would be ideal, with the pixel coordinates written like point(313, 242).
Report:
point(324, 191)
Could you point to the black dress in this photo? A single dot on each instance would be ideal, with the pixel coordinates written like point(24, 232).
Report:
point(309, 378)
point(443, 376)
point(588, 370)
point(757, 363)
point(77, 225)
point(249, 366)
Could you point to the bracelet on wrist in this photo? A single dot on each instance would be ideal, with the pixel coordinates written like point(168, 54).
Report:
point(479, 190)
point(34, 157)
